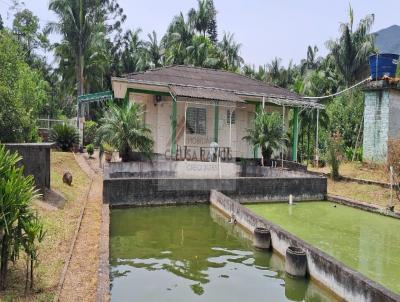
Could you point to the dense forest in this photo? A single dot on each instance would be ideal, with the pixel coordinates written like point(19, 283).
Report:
point(93, 47)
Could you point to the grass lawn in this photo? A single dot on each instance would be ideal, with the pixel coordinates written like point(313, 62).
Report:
point(60, 226)
point(359, 170)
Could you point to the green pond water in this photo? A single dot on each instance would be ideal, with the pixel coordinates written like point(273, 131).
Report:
point(366, 242)
point(192, 253)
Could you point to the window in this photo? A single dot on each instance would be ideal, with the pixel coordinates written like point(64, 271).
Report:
point(228, 116)
point(196, 120)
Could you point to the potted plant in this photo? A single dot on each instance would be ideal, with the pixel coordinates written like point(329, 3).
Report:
point(108, 151)
point(90, 150)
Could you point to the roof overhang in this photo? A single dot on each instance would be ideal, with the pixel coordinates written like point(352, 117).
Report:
point(120, 86)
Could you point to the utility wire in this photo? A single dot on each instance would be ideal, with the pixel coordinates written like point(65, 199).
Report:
point(337, 93)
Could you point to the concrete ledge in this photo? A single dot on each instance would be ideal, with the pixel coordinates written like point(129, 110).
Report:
point(160, 191)
point(103, 280)
point(343, 281)
point(362, 206)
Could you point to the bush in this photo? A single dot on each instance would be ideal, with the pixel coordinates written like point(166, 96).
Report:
point(90, 149)
point(335, 153)
point(350, 156)
point(89, 132)
point(394, 155)
point(65, 136)
point(20, 227)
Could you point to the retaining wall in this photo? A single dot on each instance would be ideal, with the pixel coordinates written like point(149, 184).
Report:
point(36, 162)
point(343, 281)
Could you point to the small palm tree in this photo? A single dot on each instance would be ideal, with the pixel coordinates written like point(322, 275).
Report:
point(267, 132)
point(123, 128)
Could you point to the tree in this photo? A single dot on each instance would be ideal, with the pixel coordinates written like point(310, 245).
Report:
point(23, 92)
point(1, 23)
point(204, 19)
point(267, 132)
point(201, 52)
point(81, 23)
point(212, 23)
point(311, 62)
point(352, 49)
point(153, 53)
point(229, 51)
point(123, 128)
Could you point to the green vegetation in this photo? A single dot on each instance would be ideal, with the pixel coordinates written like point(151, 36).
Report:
point(89, 132)
point(123, 128)
point(90, 149)
point(21, 228)
point(335, 153)
point(65, 136)
point(267, 133)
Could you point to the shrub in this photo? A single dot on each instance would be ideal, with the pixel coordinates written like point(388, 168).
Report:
point(65, 136)
point(20, 227)
point(335, 153)
point(90, 149)
point(351, 155)
point(89, 132)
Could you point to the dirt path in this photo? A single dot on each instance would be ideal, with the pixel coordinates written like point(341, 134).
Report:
point(81, 277)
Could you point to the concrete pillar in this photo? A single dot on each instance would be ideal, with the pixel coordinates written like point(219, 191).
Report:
point(173, 127)
point(295, 262)
point(216, 121)
point(262, 238)
point(295, 133)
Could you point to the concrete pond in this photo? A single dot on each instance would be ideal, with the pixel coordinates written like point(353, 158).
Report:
point(367, 242)
point(193, 253)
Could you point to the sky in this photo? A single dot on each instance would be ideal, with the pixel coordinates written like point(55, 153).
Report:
point(266, 29)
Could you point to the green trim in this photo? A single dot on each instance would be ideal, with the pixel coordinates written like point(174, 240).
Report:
point(173, 127)
point(145, 91)
point(295, 133)
point(93, 97)
point(216, 121)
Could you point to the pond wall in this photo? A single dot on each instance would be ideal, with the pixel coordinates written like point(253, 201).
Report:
point(343, 281)
point(138, 184)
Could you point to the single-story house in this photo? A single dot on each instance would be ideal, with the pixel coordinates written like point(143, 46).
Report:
point(190, 108)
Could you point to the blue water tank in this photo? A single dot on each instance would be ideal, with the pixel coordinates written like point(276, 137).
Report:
point(384, 64)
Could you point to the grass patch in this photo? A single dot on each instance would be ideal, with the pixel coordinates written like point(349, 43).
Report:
point(362, 192)
point(60, 226)
point(358, 170)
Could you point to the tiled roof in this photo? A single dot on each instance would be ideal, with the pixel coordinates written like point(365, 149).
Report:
point(204, 93)
point(211, 78)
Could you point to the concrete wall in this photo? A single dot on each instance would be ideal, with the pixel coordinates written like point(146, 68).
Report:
point(345, 282)
point(136, 191)
point(381, 121)
point(36, 162)
point(159, 120)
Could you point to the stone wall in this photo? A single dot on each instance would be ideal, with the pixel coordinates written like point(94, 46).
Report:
point(343, 281)
point(36, 162)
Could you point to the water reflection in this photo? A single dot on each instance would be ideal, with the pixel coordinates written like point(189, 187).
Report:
point(192, 254)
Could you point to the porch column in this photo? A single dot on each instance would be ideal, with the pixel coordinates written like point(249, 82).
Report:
point(259, 108)
point(173, 127)
point(316, 139)
point(295, 133)
point(216, 121)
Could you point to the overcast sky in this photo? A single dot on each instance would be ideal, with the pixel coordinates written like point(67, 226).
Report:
point(266, 29)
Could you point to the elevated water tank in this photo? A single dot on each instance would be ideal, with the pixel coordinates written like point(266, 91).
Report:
point(384, 64)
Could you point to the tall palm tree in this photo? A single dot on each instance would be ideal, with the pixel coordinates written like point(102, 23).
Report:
point(229, 51)
point(312, 62)
point(202, 52)
point(204, 19)
point(352, 49)
point(132, 50)
point(153, 53)
point(267, 132)
point(123, 128)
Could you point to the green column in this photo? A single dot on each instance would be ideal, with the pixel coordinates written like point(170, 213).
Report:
point(258, 109)
point(173, 126)
point(216, 121)
point(295, 133)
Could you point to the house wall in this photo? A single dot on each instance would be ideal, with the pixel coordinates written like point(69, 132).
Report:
point(159, 120)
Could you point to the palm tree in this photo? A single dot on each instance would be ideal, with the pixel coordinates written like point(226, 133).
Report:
point(123, 128)
point(132, 50)
point(201, 52)
point(352, 49)
point(203, 19)
point(229, 51)
point(312, 62)
point(153, 53)
point(267, 132)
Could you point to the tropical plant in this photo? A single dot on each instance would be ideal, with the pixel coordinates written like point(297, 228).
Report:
point(352, 49)
point(123, 128)
point(335, 153)
point(21, 228)
point(267, 133)
point(230, 52)
point(65, 136)
point(204, 19)
point(90, 149)
point(89, 132)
